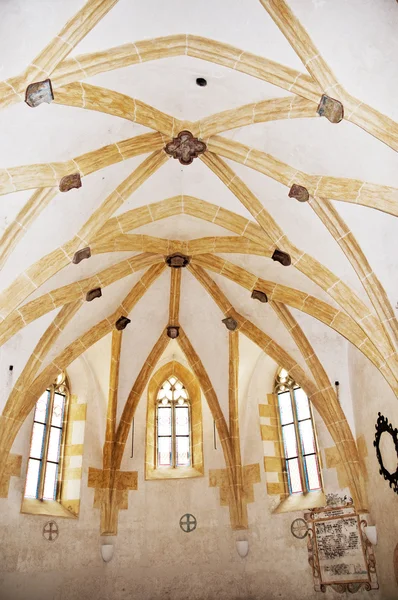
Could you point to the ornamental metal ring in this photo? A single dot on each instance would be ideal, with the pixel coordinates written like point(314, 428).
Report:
point(50, 531)
point(188, 523)
point(383, 426)
point(299, 529)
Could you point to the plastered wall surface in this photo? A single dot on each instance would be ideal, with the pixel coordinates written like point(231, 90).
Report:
point(153, 557)
point(371, 396)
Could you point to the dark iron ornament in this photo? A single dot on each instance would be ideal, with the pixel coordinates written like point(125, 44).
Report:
point(188, 523)
point(185, 147)
point(230, 323)
point(299, 529)
point(299, 192)
point(81, 255)
point(92, 294)
point(50, 531)
point(173, 331)
point(330, 108)
point(177, 260)
point(122, 323)
point(282, 257)
point(69, 182)
point(39, 92)
point(383, 426)
point(259, 295)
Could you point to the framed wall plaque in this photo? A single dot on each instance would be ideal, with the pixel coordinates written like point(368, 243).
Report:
point(339, 552)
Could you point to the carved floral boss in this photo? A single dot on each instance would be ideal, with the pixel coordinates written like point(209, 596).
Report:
point(185, 147)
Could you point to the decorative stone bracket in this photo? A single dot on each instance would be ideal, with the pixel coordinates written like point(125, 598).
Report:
point(111, 494)
point(12, 469)
point(237, 502)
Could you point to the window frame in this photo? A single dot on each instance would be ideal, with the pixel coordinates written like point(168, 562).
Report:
point(173, 405)
point(62, 387)
point(290, 386)
point(192, 386)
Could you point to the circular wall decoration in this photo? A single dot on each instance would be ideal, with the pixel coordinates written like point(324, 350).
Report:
point(50, 531)
point(299, 529)
point(188, 523)
point(383, 426)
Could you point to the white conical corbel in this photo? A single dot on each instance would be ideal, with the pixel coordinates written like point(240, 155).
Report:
point(107, 552)
point(242, 547)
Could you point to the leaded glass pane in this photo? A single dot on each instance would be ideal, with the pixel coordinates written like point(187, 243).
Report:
point(183, 458)
point(32, 478)
point(164, 451)
point(41, 407)
point(302, 404)
point(36, 446)
point(294, 476)
point(50, 481)
point(285, 408)
point(289, 440)
point(182, 420)
point(307, 437)
point(164, 420)
point(58, 410)
point(54, 444)
point(311, 464)
point(173, 421)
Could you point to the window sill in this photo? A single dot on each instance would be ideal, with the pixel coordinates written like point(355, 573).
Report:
point(49, 508)
point(297, 502)
point(170, 473)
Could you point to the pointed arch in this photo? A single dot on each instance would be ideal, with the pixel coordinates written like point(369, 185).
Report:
point(192, 385)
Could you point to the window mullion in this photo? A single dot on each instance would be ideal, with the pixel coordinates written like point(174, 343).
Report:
point(298, 441)
point(61, 458)
point(316, 446)
point(42, 475)
point(173, 435)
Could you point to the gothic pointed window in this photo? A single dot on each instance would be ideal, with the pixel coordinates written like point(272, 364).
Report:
point(298, 436)
point(173, 425)
point(45, 457)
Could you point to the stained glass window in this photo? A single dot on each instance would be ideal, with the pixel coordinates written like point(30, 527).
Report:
point(298, 436)
point(43, 473)
point(173, 425)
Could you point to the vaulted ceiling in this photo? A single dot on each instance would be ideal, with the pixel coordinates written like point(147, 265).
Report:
point(123, 76)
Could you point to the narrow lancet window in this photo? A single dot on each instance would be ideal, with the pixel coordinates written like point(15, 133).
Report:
point(298, 436)
point(43, 477)
point(173, 425)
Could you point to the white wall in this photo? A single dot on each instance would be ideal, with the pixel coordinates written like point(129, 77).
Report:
point(371, 395)
point(153, 557)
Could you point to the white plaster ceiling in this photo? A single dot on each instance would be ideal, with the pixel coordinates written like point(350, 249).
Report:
point(357, 38)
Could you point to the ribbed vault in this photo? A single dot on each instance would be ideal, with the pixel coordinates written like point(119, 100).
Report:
point(134, 226)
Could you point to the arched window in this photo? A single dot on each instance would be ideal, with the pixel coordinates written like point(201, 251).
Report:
point(298, 436)
point(45, 457)
point(174, 428)
point(173, 425)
